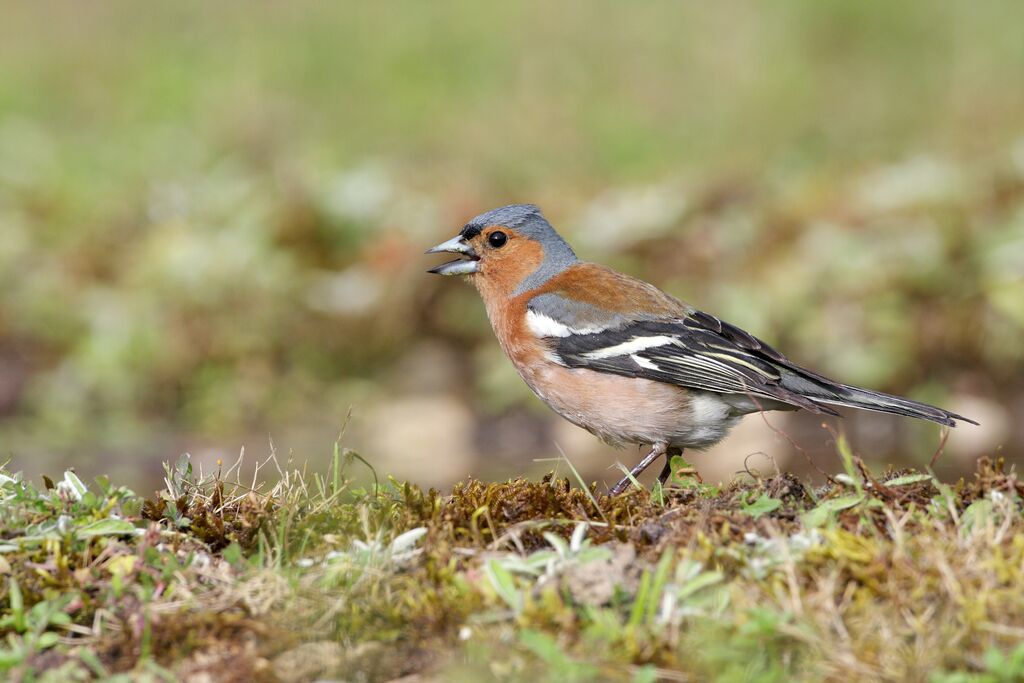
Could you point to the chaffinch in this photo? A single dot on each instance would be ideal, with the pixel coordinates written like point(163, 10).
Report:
point(623, 359)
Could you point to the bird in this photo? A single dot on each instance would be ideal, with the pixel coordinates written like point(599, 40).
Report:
point(625, 360)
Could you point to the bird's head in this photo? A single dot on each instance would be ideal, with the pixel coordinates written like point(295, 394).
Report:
point(510, 250)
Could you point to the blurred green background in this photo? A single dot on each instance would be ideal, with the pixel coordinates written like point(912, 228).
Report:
point(212, 218)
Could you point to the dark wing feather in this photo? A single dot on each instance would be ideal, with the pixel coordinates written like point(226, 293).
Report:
point(820, 389)
point(698, 352)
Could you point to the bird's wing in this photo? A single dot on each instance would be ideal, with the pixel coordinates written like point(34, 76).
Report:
point(592, 317)
point(696, 351)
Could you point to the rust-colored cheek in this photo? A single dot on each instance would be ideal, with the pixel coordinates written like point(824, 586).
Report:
point(502, 271)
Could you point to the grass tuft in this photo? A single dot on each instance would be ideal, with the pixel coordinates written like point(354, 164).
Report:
point(892, 576)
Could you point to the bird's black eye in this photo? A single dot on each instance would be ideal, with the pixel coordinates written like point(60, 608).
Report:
point(497, 239)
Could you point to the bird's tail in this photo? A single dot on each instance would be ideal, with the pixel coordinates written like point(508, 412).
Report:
point(822, 390)
point(865, 399)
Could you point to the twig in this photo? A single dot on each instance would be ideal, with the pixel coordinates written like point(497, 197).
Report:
point(877, 485)
point(764, 416)
point(941, 447)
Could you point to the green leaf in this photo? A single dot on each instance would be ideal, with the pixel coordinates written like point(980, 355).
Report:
point(11, 657)
point(593, 555)
point(90, 659)
point(697, 583)
point(557, 542)
point(908, 479)
point(504, 585)
point(183, 468)
point(59, 619)
point(17, 605)
point(658, 494)
point(645, 674)
point(762, 506)
point(534, 564)
point(72, 480)
point(106, 527)
point(678, 463)
point(976, 514)
point(103, 483)
point(763, 622)
point(945, 501)
point(826, 509)
point(636, 614)
point(47, 640)
point(232, 554)
point(563, 667)
point(545, 647)
point(658, 585)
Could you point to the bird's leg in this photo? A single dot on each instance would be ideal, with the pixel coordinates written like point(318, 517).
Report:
point(666, 471)
point(658, 450)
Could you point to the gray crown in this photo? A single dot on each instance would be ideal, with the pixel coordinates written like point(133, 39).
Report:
point(527, 220)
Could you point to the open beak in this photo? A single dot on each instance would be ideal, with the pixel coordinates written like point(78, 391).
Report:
point(460, 266)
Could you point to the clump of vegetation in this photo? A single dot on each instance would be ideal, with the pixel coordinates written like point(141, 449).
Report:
point(895, 576)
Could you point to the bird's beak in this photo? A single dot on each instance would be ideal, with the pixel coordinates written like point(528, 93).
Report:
point(456, 245)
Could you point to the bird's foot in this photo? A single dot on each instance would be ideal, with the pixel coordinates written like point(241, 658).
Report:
point(657, 451)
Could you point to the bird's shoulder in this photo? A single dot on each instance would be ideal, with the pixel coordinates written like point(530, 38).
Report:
point(587, 298)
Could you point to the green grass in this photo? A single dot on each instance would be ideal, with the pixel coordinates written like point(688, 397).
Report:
point(893, 576)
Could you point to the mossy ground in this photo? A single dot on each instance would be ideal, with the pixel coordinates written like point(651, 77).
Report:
point(892, 576)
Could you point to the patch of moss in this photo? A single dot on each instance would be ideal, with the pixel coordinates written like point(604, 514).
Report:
point(215, 512)
point(518, 580)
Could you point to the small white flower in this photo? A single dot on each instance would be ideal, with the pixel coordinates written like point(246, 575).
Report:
point(407, 540)
point(576, 542)
point(802, 542)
